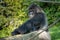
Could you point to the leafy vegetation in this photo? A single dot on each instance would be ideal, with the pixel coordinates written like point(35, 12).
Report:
point(14, 12)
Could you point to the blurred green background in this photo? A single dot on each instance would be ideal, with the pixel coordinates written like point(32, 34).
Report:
point(14, 12)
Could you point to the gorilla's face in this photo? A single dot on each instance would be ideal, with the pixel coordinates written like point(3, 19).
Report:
point(32, 13)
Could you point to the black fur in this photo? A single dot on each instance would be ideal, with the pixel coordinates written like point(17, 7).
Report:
point(34, 23)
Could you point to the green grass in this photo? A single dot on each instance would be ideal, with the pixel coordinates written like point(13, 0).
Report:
point(55, 33)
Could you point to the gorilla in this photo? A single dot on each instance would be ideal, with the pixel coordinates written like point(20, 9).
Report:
point(37, 21)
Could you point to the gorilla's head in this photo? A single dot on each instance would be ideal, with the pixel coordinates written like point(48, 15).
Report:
point(34, 10)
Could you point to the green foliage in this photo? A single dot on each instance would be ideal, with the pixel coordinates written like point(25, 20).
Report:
point(11, 16)
point(55, 31)
point(14, 12)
